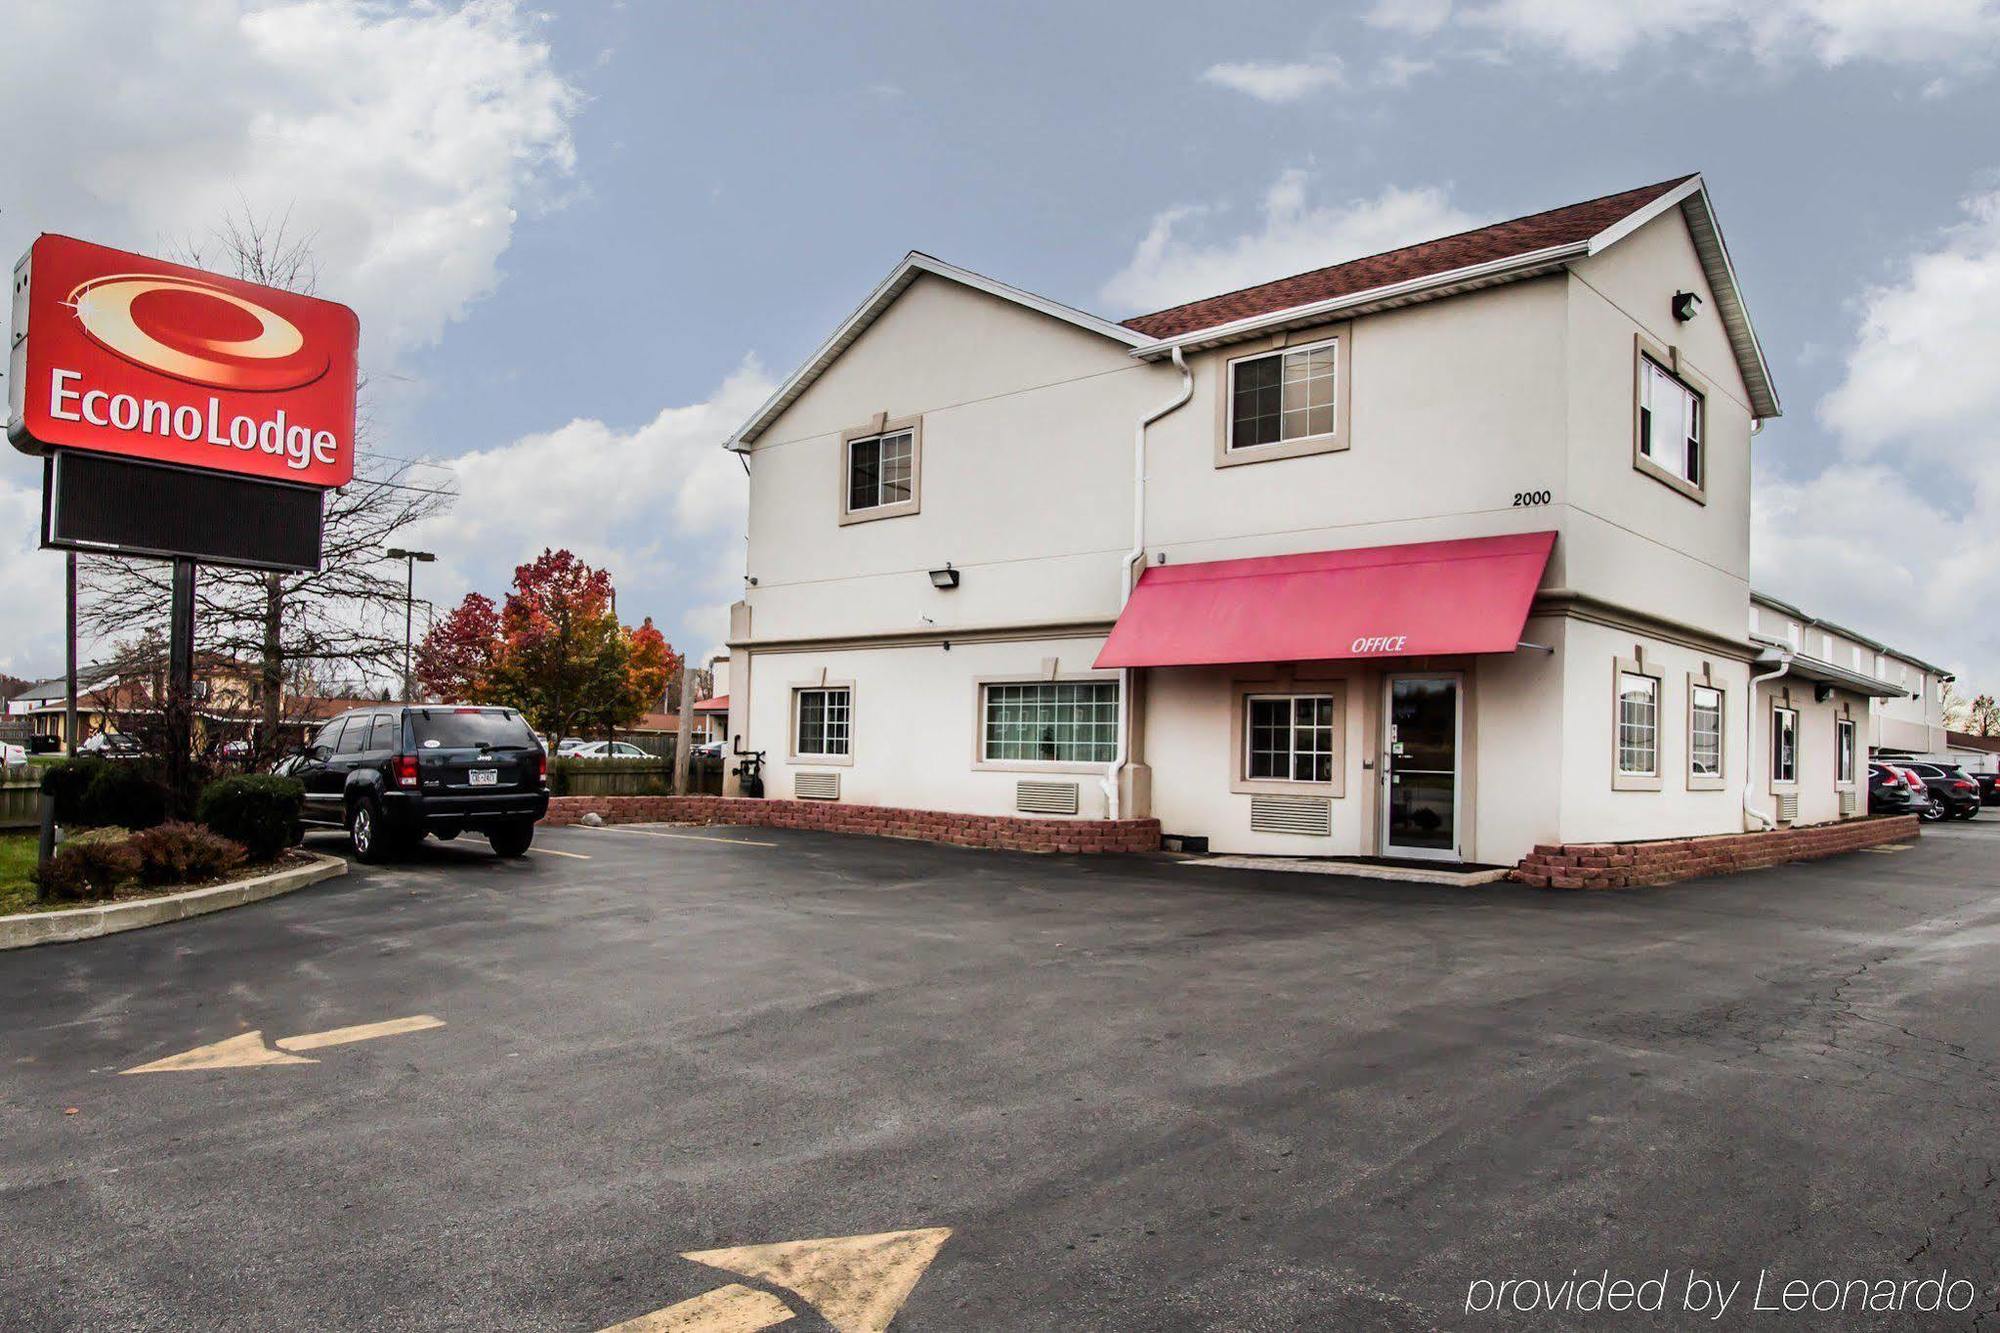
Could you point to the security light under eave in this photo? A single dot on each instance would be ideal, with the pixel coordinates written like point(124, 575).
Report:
point(944, 578)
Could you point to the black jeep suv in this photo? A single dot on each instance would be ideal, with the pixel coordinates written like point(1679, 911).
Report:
point(389, 775)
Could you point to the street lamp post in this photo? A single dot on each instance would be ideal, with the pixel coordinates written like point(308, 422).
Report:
point(409, 559)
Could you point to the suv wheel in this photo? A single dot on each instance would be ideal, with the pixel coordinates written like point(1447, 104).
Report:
point(512, 838)
point(1934, 810)
point(365, 831)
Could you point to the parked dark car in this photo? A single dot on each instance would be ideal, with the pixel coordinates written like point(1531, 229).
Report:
point(1953, 795)
point(1889, 793)
point(392, 774)
point(1989, 788)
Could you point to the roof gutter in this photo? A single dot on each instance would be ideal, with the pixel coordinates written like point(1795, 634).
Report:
point(1490, 271)
point(1127, 579)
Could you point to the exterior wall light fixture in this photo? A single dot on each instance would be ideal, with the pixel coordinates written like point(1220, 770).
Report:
point(944, 578)
point(1684, 306)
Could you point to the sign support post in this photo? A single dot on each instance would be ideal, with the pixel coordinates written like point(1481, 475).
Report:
point(179, 712)
point(69, 660)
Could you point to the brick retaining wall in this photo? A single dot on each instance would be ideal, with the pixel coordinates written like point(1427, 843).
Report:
point(1006, 831)
point(1619, 865)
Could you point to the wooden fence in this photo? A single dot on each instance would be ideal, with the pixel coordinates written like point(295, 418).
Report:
point(20, 799)
point(631, 777)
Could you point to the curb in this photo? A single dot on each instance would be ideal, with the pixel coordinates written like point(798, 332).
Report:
point(87, 923)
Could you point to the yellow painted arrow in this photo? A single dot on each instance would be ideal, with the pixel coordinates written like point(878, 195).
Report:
point(247, 1049)
point(731, 1309)
point(857, 1282)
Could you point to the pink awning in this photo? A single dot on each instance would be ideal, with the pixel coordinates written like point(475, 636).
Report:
point(1419, 600)
point(719, 704)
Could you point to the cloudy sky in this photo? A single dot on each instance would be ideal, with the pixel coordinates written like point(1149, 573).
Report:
point(583, 238)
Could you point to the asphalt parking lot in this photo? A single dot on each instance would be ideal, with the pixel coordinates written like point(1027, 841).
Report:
point(1110, 1094)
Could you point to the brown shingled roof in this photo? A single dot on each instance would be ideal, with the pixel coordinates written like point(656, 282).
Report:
point(1502, 240)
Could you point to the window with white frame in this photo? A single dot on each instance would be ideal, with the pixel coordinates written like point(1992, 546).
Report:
point(1704, 732)
point(881, 470)
point(1843, 749)
point(1288, 737)
point(824, 719)
point(1784, 745)
point(1285, 396)
point(1670, 423)
point(1050, 722)
point(1638, 725)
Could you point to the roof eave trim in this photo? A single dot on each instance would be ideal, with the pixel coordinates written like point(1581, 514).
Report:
point(1493, 270)
point(886, 291)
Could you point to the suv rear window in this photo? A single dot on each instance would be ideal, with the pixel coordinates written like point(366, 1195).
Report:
point(452, 729)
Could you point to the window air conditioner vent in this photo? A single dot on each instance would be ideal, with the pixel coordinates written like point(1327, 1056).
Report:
point(1850, 804)
point(1046, 798)
point(816, 786)
point(1311, 816)
point(1788, 807)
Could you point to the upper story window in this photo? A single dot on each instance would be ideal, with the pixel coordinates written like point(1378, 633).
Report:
point(1669, 442)
point(882, 465)
point(1284, 403)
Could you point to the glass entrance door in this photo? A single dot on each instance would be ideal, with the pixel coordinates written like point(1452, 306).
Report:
point(1420, 767)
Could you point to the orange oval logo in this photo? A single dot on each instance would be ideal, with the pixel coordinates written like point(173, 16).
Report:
point(195, 331)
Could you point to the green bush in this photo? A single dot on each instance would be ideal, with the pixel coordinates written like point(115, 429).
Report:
point(91, 792)
point(257, 810)
point(66, 780)
point(177, 852)
point(86, 868)
point(125, 793)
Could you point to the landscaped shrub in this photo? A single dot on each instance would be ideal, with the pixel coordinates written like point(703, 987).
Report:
point(91, 792)
point(182, 853)
point(86, 868)
point(124, 793)
point(66, 781)
point(258, 810)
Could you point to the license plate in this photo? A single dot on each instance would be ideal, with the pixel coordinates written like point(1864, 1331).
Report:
point(485, 777)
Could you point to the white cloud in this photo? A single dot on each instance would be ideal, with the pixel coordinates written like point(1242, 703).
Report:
point(661, 506)
point(1960, 33)
point(1922, 369)
point(405, 142)
point(1888, 536)
point(1292, 235)
point(1420, 17)
point(1276, 82)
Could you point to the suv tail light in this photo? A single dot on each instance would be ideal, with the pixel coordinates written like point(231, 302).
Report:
point(1960, 784)
point(404, 766)
point(542, 770)
point(1911, 776)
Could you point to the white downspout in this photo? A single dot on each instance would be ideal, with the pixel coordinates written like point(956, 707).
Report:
point(1750, 746)
point(1127, 579)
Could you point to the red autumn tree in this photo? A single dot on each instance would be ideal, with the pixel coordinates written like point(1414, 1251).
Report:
point(650, 663)
point(455, 657)
point(554, 650)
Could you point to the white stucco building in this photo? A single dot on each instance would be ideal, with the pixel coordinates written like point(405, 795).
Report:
point(1441, 553)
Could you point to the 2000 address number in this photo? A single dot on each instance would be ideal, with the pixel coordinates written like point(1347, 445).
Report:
point(1523, 499)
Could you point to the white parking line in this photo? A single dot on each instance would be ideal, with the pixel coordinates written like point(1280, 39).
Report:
point(685, 837)
point(550, 851)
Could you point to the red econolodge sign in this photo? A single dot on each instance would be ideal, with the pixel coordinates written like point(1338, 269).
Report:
point(145, 359)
